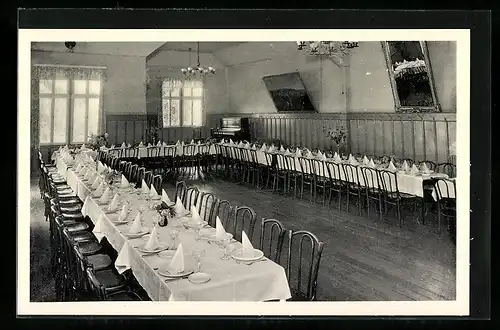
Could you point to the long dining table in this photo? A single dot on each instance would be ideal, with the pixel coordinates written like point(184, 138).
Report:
point(230, 280)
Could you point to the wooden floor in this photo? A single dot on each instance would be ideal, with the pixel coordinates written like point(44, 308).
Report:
point(363, 259)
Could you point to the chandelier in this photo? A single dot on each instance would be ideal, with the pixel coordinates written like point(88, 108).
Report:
point(327, 47)
point(198, 70)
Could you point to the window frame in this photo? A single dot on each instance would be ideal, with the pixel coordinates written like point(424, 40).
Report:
point(70, 97)
point(181, 98)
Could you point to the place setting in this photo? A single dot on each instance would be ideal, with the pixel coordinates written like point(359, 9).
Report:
point(137, 230)
point(247, 254)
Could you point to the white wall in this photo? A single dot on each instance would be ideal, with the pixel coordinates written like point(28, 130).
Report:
point(124, 89)
point(247, 91)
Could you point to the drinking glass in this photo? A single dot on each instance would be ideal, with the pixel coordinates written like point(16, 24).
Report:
point(225, 243)
point(198, 254)
point(173, 235)
point(200, 226)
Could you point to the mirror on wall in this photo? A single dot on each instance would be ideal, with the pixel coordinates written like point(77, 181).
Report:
point(411, 76)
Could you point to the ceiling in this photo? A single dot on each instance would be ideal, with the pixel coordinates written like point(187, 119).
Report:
point(205, 47)
point(103, 48)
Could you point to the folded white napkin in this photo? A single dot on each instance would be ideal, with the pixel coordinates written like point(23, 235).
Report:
point(153, 192)
point(153, 242)
point(220, 232)
point(282, 149)
point(195, 216)
point(164, 197)
point(336, 157)
point(149, 145)
point(271, 149)
point(319, 154)
point(164, 144)
point(263, 148)
point(391, 166)
point(158, 144)
point(240, 144)
point(424, 168)
point(178, 143)
point(287, 152)
point(78, 168)
point(179, 208)
point(96, 183)
point(141, 144)
point(124, 183)
point(137, 225)
point(298, 153)
point(192, 142)
point(405, 166)
point(144, 187)
point(105, 196)
point(365, 160)
point(353, 161)
point(322, 157)
point(253, 147)
point(114, 203)
point(414, 169)
point(248, 250)
point(112, 146)
point(99, 190)
point(199, 142)
point(129, 145)
point(309, 154)
point(371, 163)
point(87, 175)
point(123, 213)
point(123, 145)
point(231, 141)
point(350, 157)
point(97, 231)
point(176, 265)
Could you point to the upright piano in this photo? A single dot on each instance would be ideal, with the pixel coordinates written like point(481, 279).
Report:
point(235, 128)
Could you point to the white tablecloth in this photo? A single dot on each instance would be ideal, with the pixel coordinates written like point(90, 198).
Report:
point(230, 281)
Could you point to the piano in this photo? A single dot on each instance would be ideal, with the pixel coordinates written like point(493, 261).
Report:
point(237, 129)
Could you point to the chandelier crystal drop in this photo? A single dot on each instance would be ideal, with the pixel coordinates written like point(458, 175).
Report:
point(198, 70)
point(327, 47)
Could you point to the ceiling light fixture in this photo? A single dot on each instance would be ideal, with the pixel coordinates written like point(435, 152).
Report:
point(320, 48)
point(199, 70)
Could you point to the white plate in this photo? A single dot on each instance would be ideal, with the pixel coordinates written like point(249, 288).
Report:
point(166, 254)
point(120, 222)
point(211, 237)
point(143, 232)
point(107, 211)
point(156, 198)
point(164, 272)
point(199, 278)
point(162, 247)
point(237, 255)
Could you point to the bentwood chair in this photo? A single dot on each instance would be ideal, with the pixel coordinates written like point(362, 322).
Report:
point(308, 178)
point(148, 178)
point(141, 173)
point(446, 190)
point(157, 182)
point(272, 234)
point(206, 206)
point(272, 170)
point(449, 169)
point(303, 260)
point(372, 189)
point(180, 191)
point(191, 197)
point(294, 173)
point(336, 183)
point(321, 180)
point(224, 211)
point(244, 219)
point(353, 187)
point(392, 195)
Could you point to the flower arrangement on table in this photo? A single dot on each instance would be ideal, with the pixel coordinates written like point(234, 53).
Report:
point(338, 135)
point(165, 213)
point(95, 142)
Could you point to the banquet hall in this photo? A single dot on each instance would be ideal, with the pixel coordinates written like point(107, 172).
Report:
point(243, 171)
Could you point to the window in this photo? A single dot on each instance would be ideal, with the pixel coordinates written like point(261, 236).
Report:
point(182, 103)
point(69, 102)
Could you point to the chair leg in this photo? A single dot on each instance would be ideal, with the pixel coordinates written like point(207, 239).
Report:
point(439, 218)
point(398, 210)
point(380, 210)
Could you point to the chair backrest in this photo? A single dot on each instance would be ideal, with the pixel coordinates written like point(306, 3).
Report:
point(180, 191)
point(303, 265)
point(141, 173)
point(224, 211)
point(153, 151)
point(389, 181)
point(351, 173)
point(148, 178)
point(253, 156)
point(280, 162)
point(157, 182)
point(306, 166)
point(430, 164)
point(134, 169)
point(203, 149)
point(269, 159)
point(272, 234)
point(290, 163)
point(191, 198)
point(189, 150)
point(334, 172)
point(370, 177)
point(244, 219)
point(445, 188)
point(206, 206)
point(318, 167)
point(131, 152)
point(447, 168)
point(168, 151)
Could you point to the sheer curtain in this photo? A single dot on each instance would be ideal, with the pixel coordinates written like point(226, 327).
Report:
point(182, 102)
point(67, 101)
